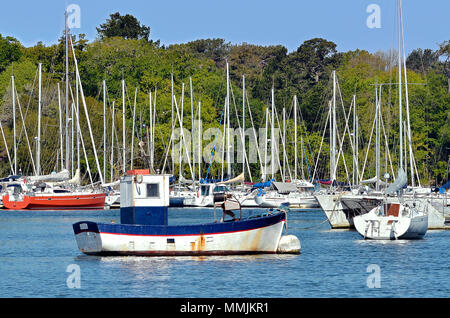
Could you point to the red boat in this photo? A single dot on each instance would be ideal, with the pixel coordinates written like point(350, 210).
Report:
point(55, 201)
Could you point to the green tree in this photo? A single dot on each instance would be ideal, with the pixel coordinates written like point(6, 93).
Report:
point(421, 61)
point(125, 26)
point(10, 51)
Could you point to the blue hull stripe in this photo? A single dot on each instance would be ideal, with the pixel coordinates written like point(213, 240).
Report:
point(180, 230)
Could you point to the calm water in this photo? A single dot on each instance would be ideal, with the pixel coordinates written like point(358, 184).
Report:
point(36, 249)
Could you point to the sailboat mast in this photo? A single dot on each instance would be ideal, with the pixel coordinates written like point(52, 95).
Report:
point(228, 124)
point(192, 127)
point(272, 134)
point(112, 141)
point(14, 123)
point(377, 143)
point(132, 130)
point(38, 146)
point(172, 125)
point(295, 137)
point(150, 146)
point(400, 87)
point(124, 162)
point(411, 159)
point(284, 144)
point(200, 157)
point(243, 124)
point(60, 128)
point(266, 143)
point(104, 128)
point(333, 127)
point(67, 93)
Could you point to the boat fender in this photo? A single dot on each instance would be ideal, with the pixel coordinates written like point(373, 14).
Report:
point(289, 244)
point(139, 178)
point(219, 197)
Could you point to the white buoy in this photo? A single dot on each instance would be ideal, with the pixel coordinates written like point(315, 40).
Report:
point(289, 244)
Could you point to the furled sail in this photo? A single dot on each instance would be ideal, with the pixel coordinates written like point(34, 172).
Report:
point(398, 184)
point(238, 179)
point(54, 177)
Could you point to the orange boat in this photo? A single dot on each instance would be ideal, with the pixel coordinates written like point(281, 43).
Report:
point(55, 201)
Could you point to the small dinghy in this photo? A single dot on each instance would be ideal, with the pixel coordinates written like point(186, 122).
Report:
point(392, 221)
point(144, 229)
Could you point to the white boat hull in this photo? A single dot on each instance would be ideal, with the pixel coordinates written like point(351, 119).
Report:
point(259, 240)
point(413, 225)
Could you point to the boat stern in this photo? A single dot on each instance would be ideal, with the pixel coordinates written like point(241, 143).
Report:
point(88, 237)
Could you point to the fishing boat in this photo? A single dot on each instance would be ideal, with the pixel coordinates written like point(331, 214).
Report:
point(144, 228)
point(392, 221)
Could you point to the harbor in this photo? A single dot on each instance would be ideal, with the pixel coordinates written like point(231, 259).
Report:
point(135, 169)
point(37, 250)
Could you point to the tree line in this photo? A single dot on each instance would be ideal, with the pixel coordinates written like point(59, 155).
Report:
point(124, 50)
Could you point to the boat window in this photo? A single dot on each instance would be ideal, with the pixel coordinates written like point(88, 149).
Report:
point(152, 190)
point(220, 189)
point(205, 190)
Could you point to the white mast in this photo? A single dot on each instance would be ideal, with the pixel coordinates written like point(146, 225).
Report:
point(38, 138)
point(124, 163)
point(400, 87)
point(67, 93)
point(333, 128)
point(355, 177)
point(192, 127)
point(272, 134)
point(377, 139)
point(182, 133)
point(284, 144)
point(77, 110)
point(295, 137)
point(104, 128)
point(411, 159)
point(14, 124)
point(200, 157)
point(243, 124)
point(228, 124)
point(60, 128)
point(87, 115)
point(112, 141)
point(150, 146)
point(173, 127)
point(132, 131)
point(266, 144)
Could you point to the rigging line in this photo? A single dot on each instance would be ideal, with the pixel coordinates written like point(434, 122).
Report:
point(254, 133)
point(214, 147)
point(26, 134)
point(242, 135)
point(284, 148)
point(29, 98)
point(321, 143)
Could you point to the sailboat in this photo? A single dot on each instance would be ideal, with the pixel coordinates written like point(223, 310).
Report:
point(393, 220)
point(341, 208)
point(56, 191)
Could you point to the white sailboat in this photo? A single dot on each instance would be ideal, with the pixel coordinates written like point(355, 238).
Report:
point(393, 220)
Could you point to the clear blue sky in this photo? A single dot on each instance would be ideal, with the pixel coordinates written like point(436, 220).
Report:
point(263, 22)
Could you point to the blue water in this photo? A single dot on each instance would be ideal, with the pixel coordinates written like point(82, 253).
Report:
point(37, 249)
